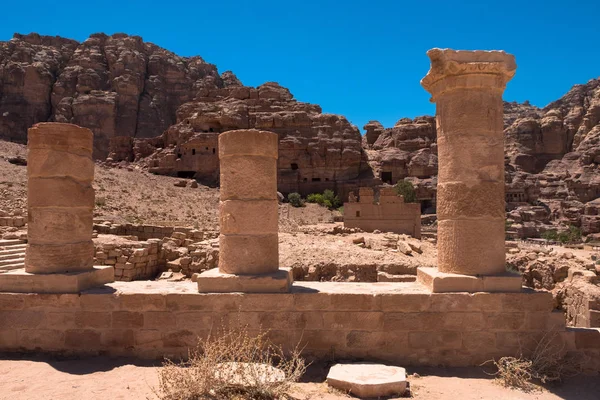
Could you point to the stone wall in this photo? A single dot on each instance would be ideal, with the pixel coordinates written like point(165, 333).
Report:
point(581, 302)
point(389, 214)
point(399, 323)
point(187, 251)
point(145, 231)
point(132, 261)
point(13, 221)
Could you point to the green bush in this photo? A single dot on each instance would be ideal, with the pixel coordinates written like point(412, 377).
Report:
point(331, 200)
point(571, 236)
point(550, 235)
point(295, 199)
point(406, 190)
point(327, 199)
point(315, 198)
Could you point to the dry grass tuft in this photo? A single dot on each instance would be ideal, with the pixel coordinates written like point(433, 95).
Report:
point(546, 364)
point(232, 364)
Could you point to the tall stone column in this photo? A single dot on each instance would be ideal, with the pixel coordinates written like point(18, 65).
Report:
point(60, 203)
point(248, 213)
point(467, 88)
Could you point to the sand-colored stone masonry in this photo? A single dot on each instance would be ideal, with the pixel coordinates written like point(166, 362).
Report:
point(60, 199)
point(147, 231)
point(394, 322)
point(248, 214)
point(467, 88)
point(390, 214)
point(14, 221)
point(248, 208)
point(135, 260)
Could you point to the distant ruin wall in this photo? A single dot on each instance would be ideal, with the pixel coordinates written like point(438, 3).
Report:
point(390, 214)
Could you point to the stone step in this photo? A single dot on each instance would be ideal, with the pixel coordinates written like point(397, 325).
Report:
point(11, 242)
point(10, 267)
point(12, 261)
point(15, 247)
point(12, 256)
point(387, 277)
point(12, 251)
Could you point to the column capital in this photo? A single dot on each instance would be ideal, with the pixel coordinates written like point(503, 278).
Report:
point(460, 69)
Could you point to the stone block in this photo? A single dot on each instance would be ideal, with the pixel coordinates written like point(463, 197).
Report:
point(248, 254)
point(59, 192)
point(127, 319)
point(586, 338)
point(160, 320)
point(61, 258)
point(19, 281)
point(367, 320)
point(441, 282)
point(214, 281)
point(248, 178)
point(404, 302)
point(257, 217)
point(461, 249)
point(49, 163)
point(457, 199)
point(60, 137)
point(368, 380)
point(41, 339)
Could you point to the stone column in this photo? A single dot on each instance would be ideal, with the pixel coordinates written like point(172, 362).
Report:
point(60, 202)
point(248, 213)
point(467, 88)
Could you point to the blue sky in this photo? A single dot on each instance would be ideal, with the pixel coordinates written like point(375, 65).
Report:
point(361, 59)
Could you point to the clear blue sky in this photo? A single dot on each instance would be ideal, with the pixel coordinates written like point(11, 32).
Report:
point(362, 59)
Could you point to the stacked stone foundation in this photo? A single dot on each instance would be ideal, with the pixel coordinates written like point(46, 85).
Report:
point(132, 261)
point(398, 323)
point(148, 231)
point(16, 222)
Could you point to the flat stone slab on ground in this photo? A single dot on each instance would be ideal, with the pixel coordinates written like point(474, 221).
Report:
point(368, 380)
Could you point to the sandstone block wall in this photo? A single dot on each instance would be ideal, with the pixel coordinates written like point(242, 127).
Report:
point(390, 214)
point(16, 222)
point(132, 261)
point(187, 251)
point(398, 323)
point(147, 231)
point(581, 302)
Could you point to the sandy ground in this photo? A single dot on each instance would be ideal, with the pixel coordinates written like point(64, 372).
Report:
point(105, 378)
point(320, 253)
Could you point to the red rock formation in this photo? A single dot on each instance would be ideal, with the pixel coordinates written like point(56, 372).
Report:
point(115, 85)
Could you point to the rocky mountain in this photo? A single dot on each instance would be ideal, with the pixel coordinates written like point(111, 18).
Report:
point(164, 112)
point(124, 89)
point(115, 85)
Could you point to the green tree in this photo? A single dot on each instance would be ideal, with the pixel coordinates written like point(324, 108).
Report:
point(331, 200)
point(406, 190)
point(295, 199)
point(315, 198)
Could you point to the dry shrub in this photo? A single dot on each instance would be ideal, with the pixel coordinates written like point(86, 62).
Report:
point(546, 364)
point(231, 365)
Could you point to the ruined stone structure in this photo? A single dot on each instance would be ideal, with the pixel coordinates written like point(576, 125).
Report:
point(390, 214)
point(396, 322)
point(467, 88)
point(248, 212)
point(60, 200)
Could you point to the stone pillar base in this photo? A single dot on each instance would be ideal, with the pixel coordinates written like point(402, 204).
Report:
point(441, 282)
point(214, 281)
point(19, 281)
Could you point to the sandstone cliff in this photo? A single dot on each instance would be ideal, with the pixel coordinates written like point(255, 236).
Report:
point(115, 85)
